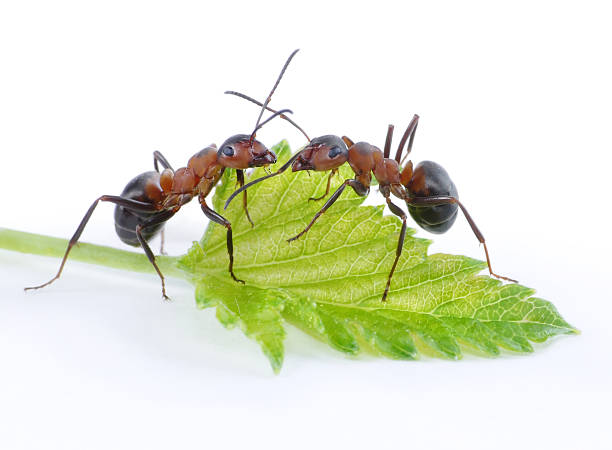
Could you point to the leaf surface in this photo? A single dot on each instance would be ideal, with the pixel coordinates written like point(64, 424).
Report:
point(330, 282)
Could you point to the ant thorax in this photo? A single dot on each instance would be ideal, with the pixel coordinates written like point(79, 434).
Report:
point(181, 186)
point(184, 181)
point(387, 172)
point(364, 158)
point(207, 182)
point(206, 169)
point(204, 161)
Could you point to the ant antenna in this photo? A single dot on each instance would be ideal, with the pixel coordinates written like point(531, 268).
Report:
point(252, 100)
point(276, 114)
point(270, 175)
point(270, 95)
point(410, 131)
point(388, 141)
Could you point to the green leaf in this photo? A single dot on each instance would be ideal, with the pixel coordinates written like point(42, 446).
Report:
point(330, 282)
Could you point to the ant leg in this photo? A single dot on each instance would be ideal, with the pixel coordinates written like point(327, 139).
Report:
point(400, 244)
point(163, 241)
point(158, 157)
point(218, 218)
point(347, 140)
point(251, 183)
point(128, 203)
point(359, 188)
point(409, 133)
point(163, 216)
point(444, 200)
point(388, 140)
point(240, 178)
point(332, 173)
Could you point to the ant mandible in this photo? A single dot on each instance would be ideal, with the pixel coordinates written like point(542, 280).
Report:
point(152, 198)
point(429, 193)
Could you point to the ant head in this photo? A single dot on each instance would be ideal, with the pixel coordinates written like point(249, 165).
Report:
point(241, 152)
point(322, 153)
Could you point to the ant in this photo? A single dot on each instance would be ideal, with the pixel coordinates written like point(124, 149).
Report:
point(152, 198)
point(430, 195)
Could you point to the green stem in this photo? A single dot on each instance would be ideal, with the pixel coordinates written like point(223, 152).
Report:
point(100, 255)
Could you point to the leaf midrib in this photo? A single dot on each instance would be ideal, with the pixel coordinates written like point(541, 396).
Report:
point(423, 313)
point(440, 316)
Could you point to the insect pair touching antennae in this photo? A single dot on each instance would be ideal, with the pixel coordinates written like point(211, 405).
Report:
point(152, 198)
point(430, 195)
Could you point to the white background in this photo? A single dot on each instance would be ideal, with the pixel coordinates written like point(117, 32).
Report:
point(515, 102)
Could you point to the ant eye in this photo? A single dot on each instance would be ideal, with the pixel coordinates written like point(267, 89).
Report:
point(335, 151)
point(228, 151)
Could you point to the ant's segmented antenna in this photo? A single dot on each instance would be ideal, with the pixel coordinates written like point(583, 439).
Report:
point(270, 95)
point(388, 141)
point(258, 180)
point(276, 114)
point(282, 116)
point(410, 131)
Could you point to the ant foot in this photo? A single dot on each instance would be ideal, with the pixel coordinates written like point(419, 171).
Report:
point(295, 238)
point(502, 278)
point(237, 280)
point(316, 199)
point(384, 297)
point(166, 298)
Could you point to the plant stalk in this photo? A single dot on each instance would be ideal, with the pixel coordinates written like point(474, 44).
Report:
point(36, 244)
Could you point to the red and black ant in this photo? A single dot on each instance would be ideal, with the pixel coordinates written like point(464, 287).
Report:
point(151, 198)
point(429, 193)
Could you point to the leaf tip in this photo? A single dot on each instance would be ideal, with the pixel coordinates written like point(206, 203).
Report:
point(273, 347)
point(276, 363)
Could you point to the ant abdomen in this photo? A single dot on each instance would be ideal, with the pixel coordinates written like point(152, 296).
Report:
point(142, 189)
point(429, 179)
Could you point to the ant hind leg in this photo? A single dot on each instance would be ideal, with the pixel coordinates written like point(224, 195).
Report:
point(128, 203)
point(444, 200)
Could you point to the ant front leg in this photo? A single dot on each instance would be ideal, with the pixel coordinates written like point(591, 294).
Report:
point(127, 203)
point(218, 218)
point(400, 244)
point(359, 188)
point(332, 173)
point(240, 178)
point(445, 200)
